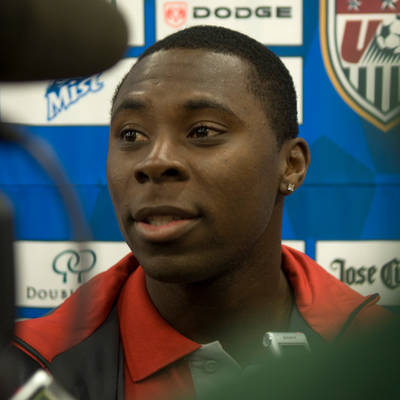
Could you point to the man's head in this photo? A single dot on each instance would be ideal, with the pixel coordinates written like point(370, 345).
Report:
point(267, 78)
point(195, 171)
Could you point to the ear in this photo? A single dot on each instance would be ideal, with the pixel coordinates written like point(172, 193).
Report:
point(295, 159)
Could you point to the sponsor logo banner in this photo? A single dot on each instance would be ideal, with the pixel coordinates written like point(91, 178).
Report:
point(133, 12)
point(366, 266)
point(360, 43)
point(48, 272)
point(271, 22)
point(84, 101)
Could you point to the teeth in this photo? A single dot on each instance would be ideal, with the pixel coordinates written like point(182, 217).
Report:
point(158, 220)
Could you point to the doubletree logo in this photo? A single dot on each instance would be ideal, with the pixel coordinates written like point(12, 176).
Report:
point(72, 262)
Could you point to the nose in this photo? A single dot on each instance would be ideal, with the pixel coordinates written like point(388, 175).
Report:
point(162, 164)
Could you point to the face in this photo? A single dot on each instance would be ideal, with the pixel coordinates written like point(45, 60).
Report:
point(193, 167)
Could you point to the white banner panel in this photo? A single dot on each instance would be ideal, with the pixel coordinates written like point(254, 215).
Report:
point(295, 67)
point(273, 22)
point(133, 12)
point(295, 244)
point(85, 101)
point(48, 272)
point(366, 266)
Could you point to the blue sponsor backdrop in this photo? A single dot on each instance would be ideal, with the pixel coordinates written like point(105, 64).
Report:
point(352, 191)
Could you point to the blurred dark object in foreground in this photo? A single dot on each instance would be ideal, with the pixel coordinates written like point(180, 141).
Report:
point(47, 39)
point(7, 309)
point(364, 368)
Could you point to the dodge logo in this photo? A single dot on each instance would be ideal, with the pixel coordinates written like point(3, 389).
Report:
point(175, 13)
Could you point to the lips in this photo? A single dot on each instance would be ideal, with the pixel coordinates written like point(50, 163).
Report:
point(164, 223)
point(159, 220)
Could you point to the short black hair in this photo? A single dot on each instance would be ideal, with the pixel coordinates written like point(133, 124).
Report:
point(269, 79)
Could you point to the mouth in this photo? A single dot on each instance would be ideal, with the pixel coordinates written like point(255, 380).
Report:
point(164, 224)
point(160, 220)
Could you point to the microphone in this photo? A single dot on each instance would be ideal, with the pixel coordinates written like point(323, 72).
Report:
point(55, 39)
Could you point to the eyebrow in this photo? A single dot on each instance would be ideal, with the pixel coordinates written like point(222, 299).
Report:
point(190, 105)
point(128, 104)
point(201, 104)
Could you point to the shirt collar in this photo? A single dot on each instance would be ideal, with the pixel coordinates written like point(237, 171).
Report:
point(324, 302)
point(150, 343)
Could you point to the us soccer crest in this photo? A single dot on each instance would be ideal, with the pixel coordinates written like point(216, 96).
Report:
point(360, 41)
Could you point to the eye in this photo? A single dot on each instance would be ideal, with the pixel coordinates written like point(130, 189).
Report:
point(132, 135)
point(203, 131)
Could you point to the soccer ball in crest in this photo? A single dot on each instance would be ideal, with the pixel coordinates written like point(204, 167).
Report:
point(388, 38)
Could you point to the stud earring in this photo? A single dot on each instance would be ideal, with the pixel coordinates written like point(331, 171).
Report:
point(290, 187)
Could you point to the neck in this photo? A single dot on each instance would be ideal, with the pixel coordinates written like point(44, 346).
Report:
point(236, 308)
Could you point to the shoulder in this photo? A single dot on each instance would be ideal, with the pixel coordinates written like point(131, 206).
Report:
point(78, 317)
point(311, 282)
point(326, 303)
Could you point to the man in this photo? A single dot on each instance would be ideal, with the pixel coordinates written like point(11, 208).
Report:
point(203, 149)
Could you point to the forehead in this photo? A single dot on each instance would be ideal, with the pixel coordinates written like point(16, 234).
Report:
point(188, 73)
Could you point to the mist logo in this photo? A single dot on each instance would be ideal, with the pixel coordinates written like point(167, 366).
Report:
point(62, 93)
point(74, 262)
